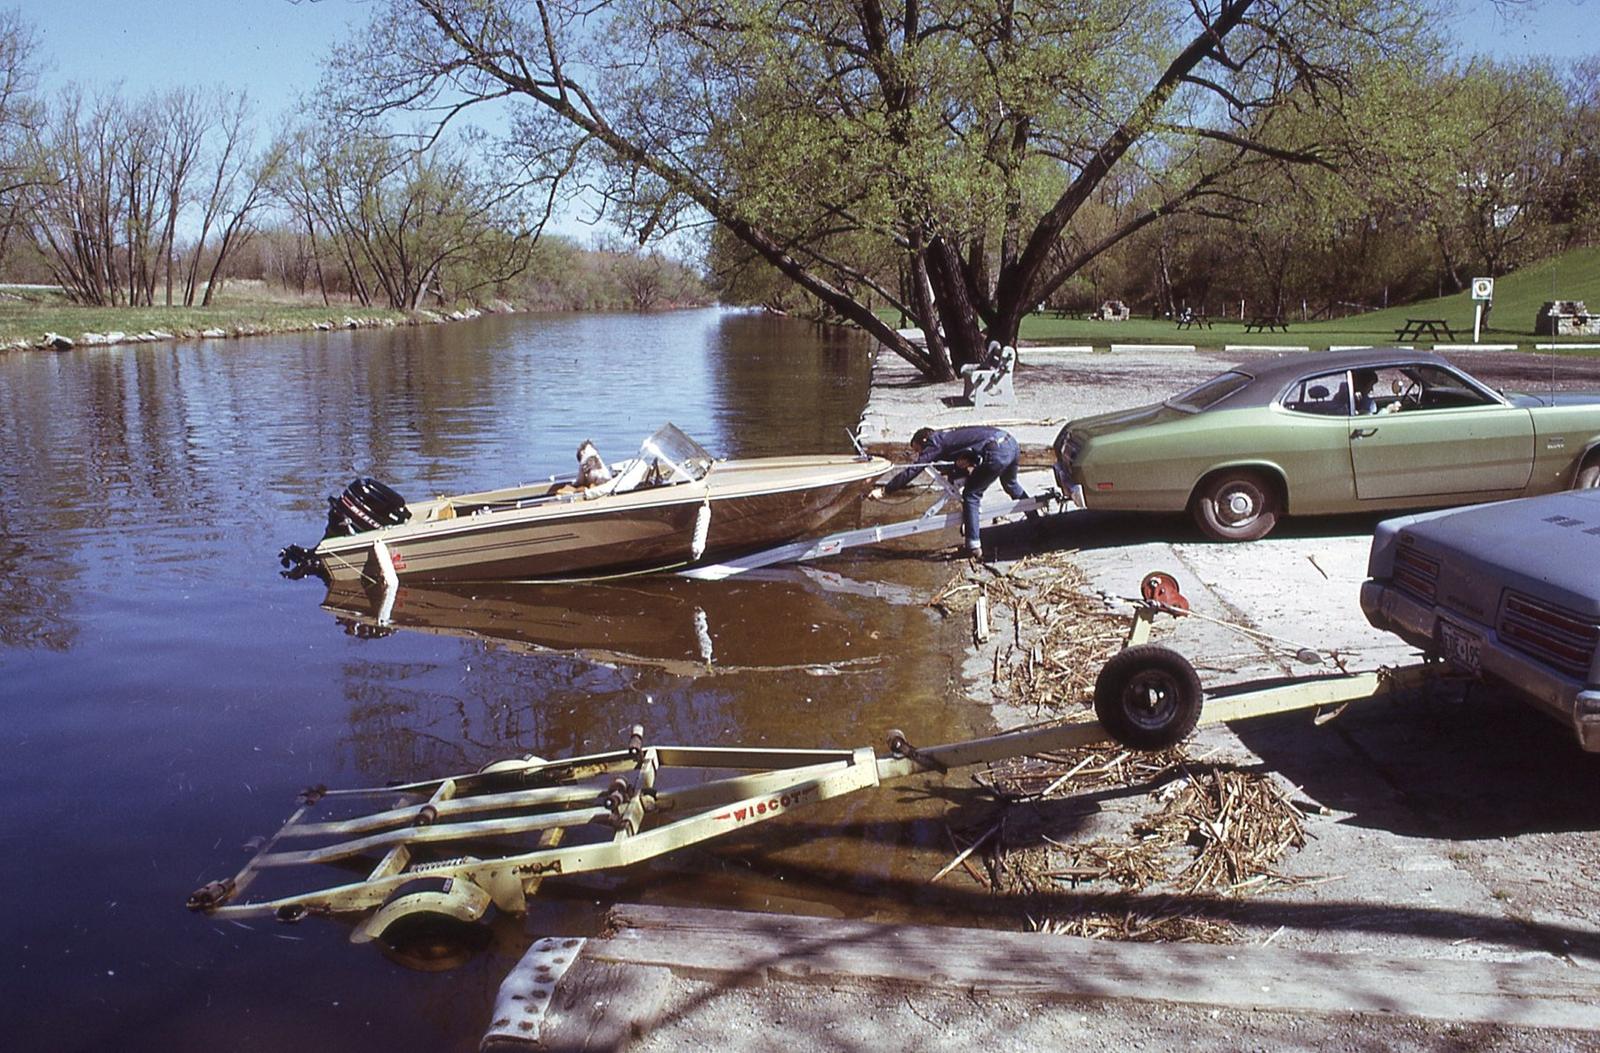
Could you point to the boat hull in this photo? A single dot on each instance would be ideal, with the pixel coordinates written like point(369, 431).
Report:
point(635, 533)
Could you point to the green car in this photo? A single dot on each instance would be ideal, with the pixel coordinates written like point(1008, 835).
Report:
point(1325, 433)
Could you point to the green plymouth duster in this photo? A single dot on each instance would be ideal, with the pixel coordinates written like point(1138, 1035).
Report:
point(1329, 432)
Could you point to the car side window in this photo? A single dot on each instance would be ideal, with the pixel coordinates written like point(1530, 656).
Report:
point(1327, 395)
point(1437, 388)
point(1413, 388)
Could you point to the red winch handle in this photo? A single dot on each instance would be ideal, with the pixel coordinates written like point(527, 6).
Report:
point(1162, 588)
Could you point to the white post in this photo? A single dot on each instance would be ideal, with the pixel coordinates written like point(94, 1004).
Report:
point(1477, 320)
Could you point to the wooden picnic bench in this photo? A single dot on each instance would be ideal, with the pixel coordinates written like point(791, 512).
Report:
point(1430, 328)
point(1190, 321)
point(1266, 325)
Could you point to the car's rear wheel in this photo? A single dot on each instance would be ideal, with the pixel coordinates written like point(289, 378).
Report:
point(1237, 505)
point(1588, 477)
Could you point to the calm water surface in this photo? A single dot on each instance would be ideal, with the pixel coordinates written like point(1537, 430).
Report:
point(165, 693)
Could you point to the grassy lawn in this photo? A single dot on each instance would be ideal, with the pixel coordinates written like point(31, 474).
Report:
point(1573, 275)
point(29, 314)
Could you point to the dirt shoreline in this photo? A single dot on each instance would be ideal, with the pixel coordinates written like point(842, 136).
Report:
point(1447, 828)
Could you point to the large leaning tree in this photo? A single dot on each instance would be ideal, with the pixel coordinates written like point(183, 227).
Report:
point(933, 157)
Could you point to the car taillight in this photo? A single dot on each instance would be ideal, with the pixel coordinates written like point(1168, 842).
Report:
point(1564, 640)
point(1415, 573)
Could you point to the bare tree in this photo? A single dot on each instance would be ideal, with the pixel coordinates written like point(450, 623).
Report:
point(19, 116)
point(187, 122)
point(405, 224)
point(73, 195)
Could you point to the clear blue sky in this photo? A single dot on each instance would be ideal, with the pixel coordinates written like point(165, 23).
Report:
point(273, 46)
point(1561, 29)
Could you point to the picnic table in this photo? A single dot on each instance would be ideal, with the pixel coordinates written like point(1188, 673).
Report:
point(1430, 328)
point(1266, 325)
point(1190, 321)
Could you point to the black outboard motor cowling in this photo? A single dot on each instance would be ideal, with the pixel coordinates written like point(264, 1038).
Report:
point(366, 504)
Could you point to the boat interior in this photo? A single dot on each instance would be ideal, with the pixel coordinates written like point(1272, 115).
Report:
point(667, 458)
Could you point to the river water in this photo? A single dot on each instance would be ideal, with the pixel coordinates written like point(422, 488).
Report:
point(165, 693)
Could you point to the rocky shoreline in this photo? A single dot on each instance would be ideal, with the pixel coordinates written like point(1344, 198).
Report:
point(53, 341)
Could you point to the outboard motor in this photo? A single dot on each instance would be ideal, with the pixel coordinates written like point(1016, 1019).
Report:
point(366, 504)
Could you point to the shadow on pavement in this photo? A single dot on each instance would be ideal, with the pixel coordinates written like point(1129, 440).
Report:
point(1440, 765)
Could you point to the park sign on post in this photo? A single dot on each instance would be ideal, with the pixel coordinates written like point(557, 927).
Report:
point(1482, 293)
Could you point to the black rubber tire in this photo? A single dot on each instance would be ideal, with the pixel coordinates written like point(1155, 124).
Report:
point(1148, 697)
point(430, 942)
point(1588, 477)
point(1238, 505)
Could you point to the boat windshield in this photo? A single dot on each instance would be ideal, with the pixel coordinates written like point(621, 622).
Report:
point(676, 457)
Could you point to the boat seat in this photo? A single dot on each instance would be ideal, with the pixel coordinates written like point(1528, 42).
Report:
point(624, 479)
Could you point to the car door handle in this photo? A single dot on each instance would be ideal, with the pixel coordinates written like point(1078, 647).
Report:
point(1363, 433)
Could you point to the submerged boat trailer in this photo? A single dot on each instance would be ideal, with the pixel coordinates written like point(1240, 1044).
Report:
point(442, 850)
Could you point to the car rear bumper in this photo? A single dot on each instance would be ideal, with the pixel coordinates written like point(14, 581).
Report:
point(1554, 694)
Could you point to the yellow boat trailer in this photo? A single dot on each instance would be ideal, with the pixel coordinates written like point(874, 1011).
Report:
point(443, 849)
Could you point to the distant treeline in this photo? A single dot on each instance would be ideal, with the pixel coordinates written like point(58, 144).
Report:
point(161, 198)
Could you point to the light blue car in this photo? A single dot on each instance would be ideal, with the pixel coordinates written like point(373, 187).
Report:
point(1508, 592)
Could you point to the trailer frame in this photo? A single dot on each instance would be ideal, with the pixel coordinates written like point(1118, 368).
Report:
point(653, 799)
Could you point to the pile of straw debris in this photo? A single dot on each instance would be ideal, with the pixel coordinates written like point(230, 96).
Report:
point(1210, 831)
point(1060, 635)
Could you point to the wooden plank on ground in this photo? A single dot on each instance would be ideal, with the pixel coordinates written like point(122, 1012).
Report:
point(744, 947)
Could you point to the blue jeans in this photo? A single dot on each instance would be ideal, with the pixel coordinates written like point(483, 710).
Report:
point(999, 462)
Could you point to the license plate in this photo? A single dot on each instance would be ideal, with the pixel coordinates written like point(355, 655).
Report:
point(1460, 646)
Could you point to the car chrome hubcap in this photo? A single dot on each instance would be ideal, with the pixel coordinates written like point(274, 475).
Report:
point(1237, 505)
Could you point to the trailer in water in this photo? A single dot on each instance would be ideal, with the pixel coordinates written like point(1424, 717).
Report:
point(445, 849)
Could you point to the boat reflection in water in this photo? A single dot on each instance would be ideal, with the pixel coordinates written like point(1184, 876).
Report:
point(775, 619)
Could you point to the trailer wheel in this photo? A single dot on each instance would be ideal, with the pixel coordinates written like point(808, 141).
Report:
point(430, 942)
point(1148, 697)
point(429, 924)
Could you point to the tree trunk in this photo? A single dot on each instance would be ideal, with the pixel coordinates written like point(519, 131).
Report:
point(957, 314)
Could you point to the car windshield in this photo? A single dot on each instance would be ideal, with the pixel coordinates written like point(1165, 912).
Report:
point(1204, 396)
point(676, 457)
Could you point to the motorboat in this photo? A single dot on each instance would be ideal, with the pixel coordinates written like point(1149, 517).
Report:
point(670, 507)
